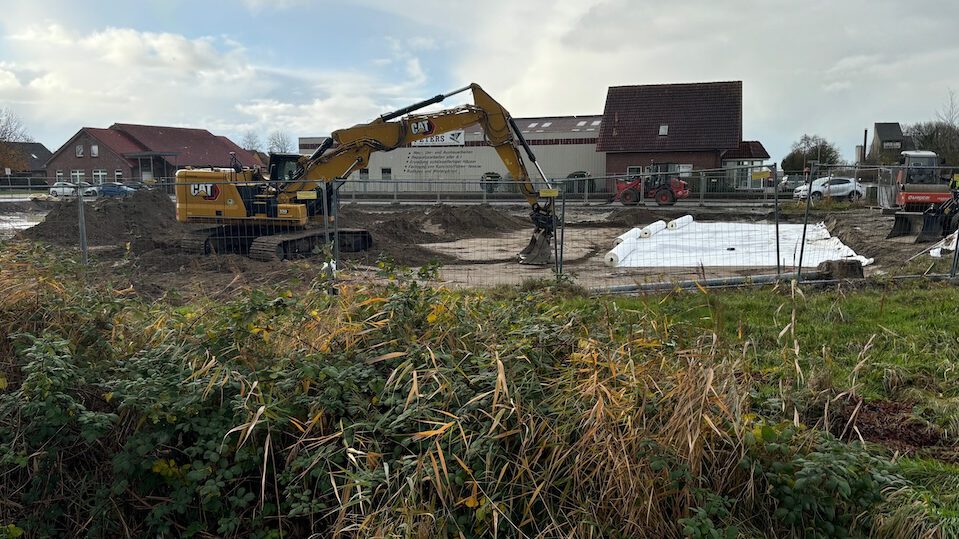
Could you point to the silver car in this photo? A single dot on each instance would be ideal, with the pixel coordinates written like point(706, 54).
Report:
point(834, 187)
point(67, 189)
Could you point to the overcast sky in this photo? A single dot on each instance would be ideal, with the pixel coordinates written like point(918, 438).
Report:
point(830, 68)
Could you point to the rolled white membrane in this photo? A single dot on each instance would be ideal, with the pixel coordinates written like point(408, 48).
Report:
point(680, 222)
point(620, 252)
point(652, 228)
point(630, 234)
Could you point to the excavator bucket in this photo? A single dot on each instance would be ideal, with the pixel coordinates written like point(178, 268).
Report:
point(920, 227)
point(539, 250)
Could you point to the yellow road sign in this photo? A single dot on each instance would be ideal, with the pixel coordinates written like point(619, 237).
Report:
point(760, 174)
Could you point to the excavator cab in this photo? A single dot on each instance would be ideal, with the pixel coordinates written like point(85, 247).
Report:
point(283, 166)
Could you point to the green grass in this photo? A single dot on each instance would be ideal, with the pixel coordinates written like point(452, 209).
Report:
point(410, 411)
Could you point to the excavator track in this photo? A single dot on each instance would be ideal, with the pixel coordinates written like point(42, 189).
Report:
point(200, 242)
point(301, 243)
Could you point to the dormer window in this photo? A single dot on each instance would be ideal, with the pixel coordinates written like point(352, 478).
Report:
point(663, 130)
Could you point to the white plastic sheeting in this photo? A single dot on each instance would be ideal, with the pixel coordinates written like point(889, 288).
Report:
point(652, 228)
point(946, 244)
point(619, 253)
point(732, 245)
point(630, 234)
point(679, 223)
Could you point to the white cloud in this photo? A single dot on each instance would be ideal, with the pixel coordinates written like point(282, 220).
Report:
point(259, 5)
point(818, 66)
point(125, 75)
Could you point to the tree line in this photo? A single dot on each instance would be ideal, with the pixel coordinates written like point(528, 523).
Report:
point(940, 135)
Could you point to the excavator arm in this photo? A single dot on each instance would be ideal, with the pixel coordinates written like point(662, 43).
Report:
point(350, 149)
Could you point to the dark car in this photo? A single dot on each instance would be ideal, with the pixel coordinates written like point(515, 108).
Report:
point(137, 186)
point(112, 189)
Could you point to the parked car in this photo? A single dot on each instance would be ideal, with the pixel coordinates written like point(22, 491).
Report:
point(113, 189)
point(790, 183)
point(829, 186)
point(137, 185)
point(67, 189)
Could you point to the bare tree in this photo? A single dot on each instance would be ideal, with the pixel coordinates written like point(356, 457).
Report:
point(949, 113)
point(279, 142)
point(11, 130)
point(942, 134)
point(250, 141)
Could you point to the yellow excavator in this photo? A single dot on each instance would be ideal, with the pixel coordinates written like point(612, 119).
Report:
point(288, 214)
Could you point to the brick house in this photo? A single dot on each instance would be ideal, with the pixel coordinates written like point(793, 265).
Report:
point(129, 152)
point(675, 128)
point(23, 160)
point(887, 143)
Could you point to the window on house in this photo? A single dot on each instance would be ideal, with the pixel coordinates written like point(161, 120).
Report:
point(76, 176)
point(94, 150)
point(99, 175)
point(79, 150)
point(118, 175)
point(364, 174)
point(59, 175)
point(386, 173)
point(663, 130)
point(534, 124)
point(547, 124)
point(595, 122)
point(581, 124)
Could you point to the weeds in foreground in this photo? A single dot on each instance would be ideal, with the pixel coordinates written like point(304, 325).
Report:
point(405, 410)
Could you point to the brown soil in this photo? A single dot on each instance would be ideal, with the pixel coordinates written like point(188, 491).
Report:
point(891, 424)
point(397, 233)
point(145, 216)
point(30, 206)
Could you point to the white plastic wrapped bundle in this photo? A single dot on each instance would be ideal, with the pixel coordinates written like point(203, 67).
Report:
point(652, 228)
point(680, 222)
point(620, 252)
point(630, 234)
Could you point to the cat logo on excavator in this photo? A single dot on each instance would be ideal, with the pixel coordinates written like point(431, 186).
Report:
point(421, 127)
point(209, 191)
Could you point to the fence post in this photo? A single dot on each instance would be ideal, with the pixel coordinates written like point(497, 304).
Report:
point(776, 211)
point(483, 187)
point(805, 224)
point(82, 224)
point(702, 189)
point(955, 257)
point(642, 190)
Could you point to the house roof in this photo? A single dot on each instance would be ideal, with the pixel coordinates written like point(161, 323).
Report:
point(192, 147)
point(34, 153)
point(888, 131)
point(117, 141)
point(748, 149)
point(698, 116)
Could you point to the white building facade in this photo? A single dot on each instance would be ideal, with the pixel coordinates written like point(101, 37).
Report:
point(462, 160)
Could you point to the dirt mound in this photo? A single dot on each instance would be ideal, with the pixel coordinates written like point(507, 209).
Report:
point(145, 214)
point(635, 216)
point(396, 232)
point(471, 221)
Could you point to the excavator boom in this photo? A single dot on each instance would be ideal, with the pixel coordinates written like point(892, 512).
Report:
point(350, 149)
point(274, 218)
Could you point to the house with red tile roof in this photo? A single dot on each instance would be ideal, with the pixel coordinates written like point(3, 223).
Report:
point(148, 153)
point(674, 128)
